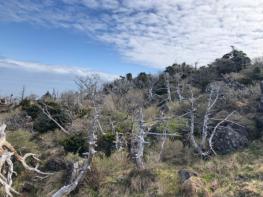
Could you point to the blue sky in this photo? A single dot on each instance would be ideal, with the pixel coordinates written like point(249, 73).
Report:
point(27, 42)
point(45, 44)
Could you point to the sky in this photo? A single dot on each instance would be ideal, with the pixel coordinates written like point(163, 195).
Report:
point(45, 44)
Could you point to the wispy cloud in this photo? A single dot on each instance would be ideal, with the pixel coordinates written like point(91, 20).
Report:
point(38, 78)
point(53, 69)
point(150, 32)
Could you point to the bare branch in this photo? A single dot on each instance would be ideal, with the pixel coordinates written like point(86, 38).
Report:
point(6, 163)
point(47, 113)
point(80, 172)
point(214, 92)
point(215, 129)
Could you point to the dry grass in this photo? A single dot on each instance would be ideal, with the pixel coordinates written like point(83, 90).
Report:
point(231, 175)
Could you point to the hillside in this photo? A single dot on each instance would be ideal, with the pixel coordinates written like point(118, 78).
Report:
point(185, 132)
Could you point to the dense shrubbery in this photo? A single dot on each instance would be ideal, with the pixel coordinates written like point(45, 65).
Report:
point(232, 62)
point(78, 144)
point(75, 144)
point(172, 125)
point(106, 144)
point(41, 122)
point(30, 108)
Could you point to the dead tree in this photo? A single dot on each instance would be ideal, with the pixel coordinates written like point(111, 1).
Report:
point(79, 172)
point(88, 87)
point(142, 131)
point(173, 85)
point(150, 87)
point(168, 88)
point(119, 141)
point(212, 99)
point(192, 125)
point(7, 152)
point(226, 119)
point(139, 141)
point(206, 129)
point(164, 137)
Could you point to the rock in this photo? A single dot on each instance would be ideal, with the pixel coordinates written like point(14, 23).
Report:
point(228, 139)
point(185, 174)
point(194, 187)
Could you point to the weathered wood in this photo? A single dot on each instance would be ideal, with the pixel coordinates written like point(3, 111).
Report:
point(7, 151)
point(80, 171)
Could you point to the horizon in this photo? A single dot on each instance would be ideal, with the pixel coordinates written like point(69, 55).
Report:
point(46, 44)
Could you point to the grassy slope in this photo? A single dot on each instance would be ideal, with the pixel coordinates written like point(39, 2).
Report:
point(237, 174)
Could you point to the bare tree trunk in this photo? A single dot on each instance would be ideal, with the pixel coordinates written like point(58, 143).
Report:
point(164, 138)
point(192, 126)
point(211, 102)
point(78, 174)
point(137, 144)
point(141, 142)
point(168, 87)
point(150, 94)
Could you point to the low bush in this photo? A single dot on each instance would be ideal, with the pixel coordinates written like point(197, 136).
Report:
point(106, 144)
point(30, 108)
point(42, 123)
point(75, 144)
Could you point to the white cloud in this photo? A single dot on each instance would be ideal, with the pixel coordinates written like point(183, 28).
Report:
point(151, 32)
point(53, 69)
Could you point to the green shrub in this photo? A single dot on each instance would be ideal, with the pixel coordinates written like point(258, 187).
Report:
point(202, 82)
point(30, 108)
point(43, 124)
point(75, 144)
point(175, 125)
point(106, 143)
point(253, 73)
point(22, 141)
point(124, 124)
point(233, 61)
point(245, 80)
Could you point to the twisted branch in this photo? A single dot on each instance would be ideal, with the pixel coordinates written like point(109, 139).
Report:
point(6, 163)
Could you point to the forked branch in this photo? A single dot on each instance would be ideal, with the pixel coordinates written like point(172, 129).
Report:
point(7, 151)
